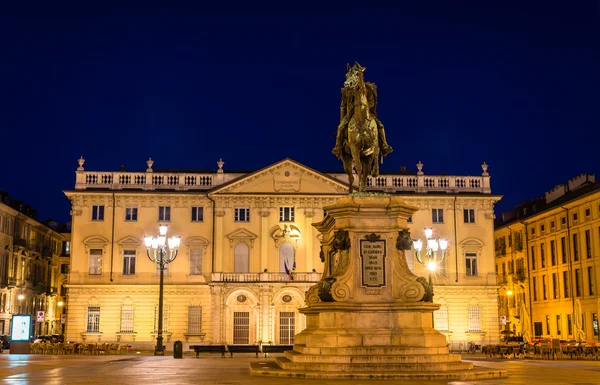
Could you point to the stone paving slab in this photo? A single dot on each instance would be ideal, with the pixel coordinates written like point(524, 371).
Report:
point(41, 369)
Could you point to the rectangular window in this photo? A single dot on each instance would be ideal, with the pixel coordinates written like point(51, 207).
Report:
point(542, 228)
point(196, 262)
point(471, 263)
point(242, 214)
point(128, 262)
point(575, 248)
point(563, 249)
point(97, 213)
point(535, 288)
point(547, 324)
point(164, 213)
point(131, 214)
point(194, 319)
point(532, 258)
point(241, 327)
point(474, 315)
point(437, 215)
point(286, 214)
point(552, 225)
point(544, 288)
point(440, 319)
point(542, 256)
point(588, 212)
point(287, 327)
point(563, 221)
point(554, 286)
point(558, 326)
point(93, 319)
point(537, 329)
point(588, 244)
point(95, 265)
point(127, 319)
point(577, 282)
point(566, 284)
point(552, 253)
point(64, 268)
point(197, 214)
point(469, 217)
point(570, 324)
point(590, 274)
point(165, 319)
point(575, 217)
point(533, 231)
point(595, 324)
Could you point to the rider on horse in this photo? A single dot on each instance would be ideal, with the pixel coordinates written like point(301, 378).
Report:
point(346, 111)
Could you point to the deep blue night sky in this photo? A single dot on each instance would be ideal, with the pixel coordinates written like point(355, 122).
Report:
point(514, 85)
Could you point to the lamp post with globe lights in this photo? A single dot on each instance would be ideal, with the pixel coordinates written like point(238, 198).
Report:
point(162, 252)
point(433, 254)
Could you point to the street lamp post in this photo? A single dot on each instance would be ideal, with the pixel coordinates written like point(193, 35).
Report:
point(162, 252)
point(433, 255)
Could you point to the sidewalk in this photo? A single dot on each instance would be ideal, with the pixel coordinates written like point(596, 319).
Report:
point(141, 368)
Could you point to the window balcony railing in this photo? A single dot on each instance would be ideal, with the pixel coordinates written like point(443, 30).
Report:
point(265, 277)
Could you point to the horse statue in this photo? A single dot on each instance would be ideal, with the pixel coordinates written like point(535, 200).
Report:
point(360, 137)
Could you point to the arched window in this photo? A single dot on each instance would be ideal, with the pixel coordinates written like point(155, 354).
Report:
point(241, 255)
point(286, 258)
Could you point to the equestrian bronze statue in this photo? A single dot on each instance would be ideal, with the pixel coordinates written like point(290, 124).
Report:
point(360, 139)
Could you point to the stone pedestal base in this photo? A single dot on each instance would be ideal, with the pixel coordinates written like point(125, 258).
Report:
point(371, 341)
point(369, 316)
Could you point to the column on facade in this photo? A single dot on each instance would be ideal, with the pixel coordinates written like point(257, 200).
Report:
point(264, 310)
point(217, 318)
point(308, 238)
point(219, 214)
point(264, 237)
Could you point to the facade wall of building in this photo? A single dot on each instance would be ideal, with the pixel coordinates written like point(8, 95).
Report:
point(576, 277)
point(7, 279)
point(262, 287)
point(562, 254)
point(30, 271)
point(514, 306)
point(471, 315)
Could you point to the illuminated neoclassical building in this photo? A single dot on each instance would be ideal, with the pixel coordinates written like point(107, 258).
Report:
point(548, 259)
point(249, 252)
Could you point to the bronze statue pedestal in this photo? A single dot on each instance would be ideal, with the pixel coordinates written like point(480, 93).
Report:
point(366, 317)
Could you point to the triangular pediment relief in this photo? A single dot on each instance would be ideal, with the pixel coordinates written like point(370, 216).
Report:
point(242, 235)
point(129, 241)
point(284, 177)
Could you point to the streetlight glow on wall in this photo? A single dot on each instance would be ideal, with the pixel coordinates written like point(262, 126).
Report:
point(162, 252)
point(434, 253)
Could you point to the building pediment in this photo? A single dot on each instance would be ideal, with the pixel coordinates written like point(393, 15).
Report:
point(242, 235)
point(129, 241)
point(285, 177)
point(197, 242)
point(95, 240)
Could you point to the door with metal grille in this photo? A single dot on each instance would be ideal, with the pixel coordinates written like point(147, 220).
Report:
point(241, 327)
point(287, 327)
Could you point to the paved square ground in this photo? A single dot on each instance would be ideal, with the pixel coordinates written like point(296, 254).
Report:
point(212, 369)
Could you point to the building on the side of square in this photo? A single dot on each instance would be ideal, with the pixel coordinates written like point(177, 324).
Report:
point(249, 251)
point(548, 257)
point(30, 276)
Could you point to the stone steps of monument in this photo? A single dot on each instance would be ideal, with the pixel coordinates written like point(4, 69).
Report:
point(371, 350)
point(316, 366)
point(298, 357)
